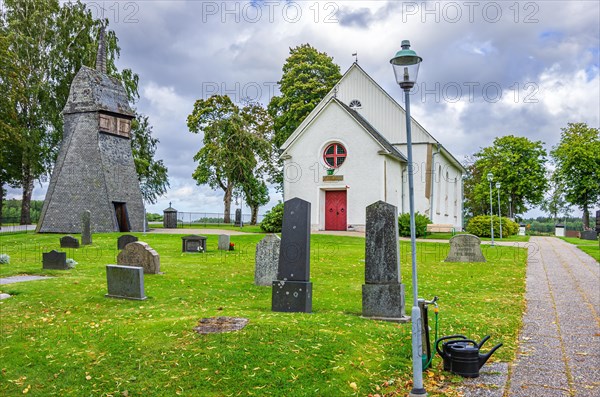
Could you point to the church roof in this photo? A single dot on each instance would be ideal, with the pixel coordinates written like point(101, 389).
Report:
point(392, 151)
point(92, 91)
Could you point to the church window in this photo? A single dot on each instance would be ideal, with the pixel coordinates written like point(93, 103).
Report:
point(355, 104)
point(334, 155)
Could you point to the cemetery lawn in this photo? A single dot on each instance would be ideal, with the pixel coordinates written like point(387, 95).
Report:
point(62, 337)
point(590, 247)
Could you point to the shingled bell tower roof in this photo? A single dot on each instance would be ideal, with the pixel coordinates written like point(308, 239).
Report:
point(93, 90)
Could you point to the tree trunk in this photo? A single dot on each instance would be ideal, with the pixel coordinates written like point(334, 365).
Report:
point(2, 191)
point(227, 203)
point(586, 217)
point(27, 185)
point(254, 218)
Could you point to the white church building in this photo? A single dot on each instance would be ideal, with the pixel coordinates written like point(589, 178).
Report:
point(350, 152)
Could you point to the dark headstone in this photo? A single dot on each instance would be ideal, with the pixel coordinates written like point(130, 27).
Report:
point(86, 228)
point(589, 235)
point(69, 242)
point(598, 221)
point(193, 243)
point(54, 260)
point(238, 217)
point(224, 241)
point(141, 255)
point(124, 240)
point(292, 291)
point(125, 282)
point(382, 293)
point(267, 260)
point(465, 248)
point(170, 218)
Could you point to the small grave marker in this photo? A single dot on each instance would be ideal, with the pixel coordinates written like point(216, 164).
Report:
point(465, 248)
point(267, 260)
point(54, 260)
point(124, 240)
point(69, 242)
point(140, 254)
point(224, 242)
point(193, 243)
point(86, 228)
point(125, 282)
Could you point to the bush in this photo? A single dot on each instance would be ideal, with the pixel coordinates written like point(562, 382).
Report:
point(4, 259)
point(273, 220)
point(421, 222)
point(480, 226)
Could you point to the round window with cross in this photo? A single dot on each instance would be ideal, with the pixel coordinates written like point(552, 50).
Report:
point(334, 155)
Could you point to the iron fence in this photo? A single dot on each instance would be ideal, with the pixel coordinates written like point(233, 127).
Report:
point(211, 218)
point(11, 225)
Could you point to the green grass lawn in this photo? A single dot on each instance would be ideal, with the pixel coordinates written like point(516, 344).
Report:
point(62, 337)
point(590, 247)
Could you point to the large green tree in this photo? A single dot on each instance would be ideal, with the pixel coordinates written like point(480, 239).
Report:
point(308, 75)
point(229, 158)
point(555, 203)
point(152, 173)
point(518, 164)
point(577, 160)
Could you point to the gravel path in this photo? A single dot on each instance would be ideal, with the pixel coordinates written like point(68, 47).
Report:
point(559, 352)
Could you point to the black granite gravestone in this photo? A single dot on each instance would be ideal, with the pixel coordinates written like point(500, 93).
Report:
point(382, 293)
point(292, 291)
point(54, 260)
point(69, 242)
point(124, 240)
point(238, 217)
point(193, 243)
point(598, 221)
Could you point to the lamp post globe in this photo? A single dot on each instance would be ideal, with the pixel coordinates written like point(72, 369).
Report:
point(490, 178)
point(406, 68)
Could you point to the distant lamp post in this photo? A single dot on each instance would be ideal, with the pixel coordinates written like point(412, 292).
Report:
point(490, 177)
point(510, 207)
point(499, 213)
point(406, 67)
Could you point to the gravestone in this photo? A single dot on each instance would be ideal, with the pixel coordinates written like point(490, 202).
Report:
point(383, 292)
point(193, 243)
point(465, 248)
point(125, 282)
point(589, 235)
point(124, 240)
point(86, 228)
point(54, 260)
point(141, 255)
point(238, 217)
point(292, 291)
point(267, 260)
point(224, 242)
point(69, 242)
point(598, 221)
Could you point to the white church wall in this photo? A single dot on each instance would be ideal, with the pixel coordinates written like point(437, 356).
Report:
point(362, 170)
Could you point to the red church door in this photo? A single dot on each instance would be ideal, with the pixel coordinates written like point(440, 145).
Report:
point(335, 210)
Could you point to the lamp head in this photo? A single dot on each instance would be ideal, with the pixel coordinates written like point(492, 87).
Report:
point(498, 185)
point(406, 66)
point(490, 176)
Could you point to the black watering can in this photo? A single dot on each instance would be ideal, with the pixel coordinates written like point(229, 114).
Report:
point(461, 355)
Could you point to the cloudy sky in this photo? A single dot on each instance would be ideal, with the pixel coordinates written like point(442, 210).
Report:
point(490, 68)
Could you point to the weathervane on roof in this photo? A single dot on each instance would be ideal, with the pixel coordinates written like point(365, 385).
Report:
point(355, 55)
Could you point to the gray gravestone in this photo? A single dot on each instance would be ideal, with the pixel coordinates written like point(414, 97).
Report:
point(383, 292)
point(125, 282)
point(124, 240)
point(54, 260)
point(224, 242)
point(193, 243)
point(589, 235)
point(267, 260)
point(86, 228)
point(238, 217)
point(69, 242)
point(465, 248)
point(141, 255)
point(292, 291)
